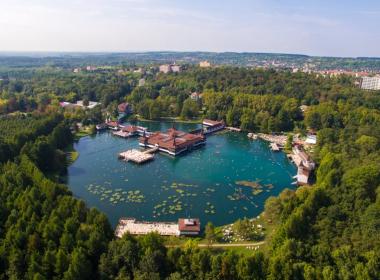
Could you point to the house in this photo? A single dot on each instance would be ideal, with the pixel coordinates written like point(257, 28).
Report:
point(301, 157)
point(123, 108)
point(195, 96)
point(141, 82)
point(302, 175)
point(189, 227)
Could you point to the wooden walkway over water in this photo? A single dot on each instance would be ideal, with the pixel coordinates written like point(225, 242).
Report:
point(137, 156)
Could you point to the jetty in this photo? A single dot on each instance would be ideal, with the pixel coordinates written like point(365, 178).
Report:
point(274, 147)
point(280, 140)
point(137, 156)
point(252, 136)
point(234, 129)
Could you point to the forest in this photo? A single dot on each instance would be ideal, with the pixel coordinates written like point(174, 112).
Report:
point(330, 230)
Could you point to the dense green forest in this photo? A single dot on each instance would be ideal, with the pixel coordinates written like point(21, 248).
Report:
point(328, 231)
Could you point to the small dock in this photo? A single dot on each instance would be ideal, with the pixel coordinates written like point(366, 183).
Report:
point(252, 136)
point(136, 156)
point(274, 147)
point(122, 134)
point(234, 129)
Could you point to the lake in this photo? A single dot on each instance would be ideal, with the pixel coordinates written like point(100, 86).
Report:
point(209, 183)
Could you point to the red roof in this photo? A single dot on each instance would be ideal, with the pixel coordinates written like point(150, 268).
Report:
point(123, 107)
point(130, 129)
point(112, 123)
point(189, 225)
point(173, 139)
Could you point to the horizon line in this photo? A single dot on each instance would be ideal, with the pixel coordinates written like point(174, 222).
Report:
point(176, 51)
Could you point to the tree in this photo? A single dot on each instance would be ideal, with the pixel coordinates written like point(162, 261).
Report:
point(210, 233)
point(190, 109)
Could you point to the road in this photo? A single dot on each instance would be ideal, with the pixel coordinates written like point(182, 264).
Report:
point(222, 245)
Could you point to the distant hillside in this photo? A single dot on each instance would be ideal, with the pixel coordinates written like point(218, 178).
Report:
point(68, 60)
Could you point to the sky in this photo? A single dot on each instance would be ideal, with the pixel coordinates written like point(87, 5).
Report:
point(312, 27)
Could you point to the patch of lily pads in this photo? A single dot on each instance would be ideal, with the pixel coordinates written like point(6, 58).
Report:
point(210, 209)
point(116, 196)
point(174, 203)
point(256, 187)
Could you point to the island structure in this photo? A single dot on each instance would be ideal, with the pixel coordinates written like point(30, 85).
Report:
point(184, 227)
point(173, 142)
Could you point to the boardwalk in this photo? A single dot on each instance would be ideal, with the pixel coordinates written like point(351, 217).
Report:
point(136, 156)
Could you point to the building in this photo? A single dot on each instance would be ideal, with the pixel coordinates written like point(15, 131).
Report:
point(167, 68)
point(175, 68)
point(301, 157)
point(370, 83)
point(304, 108)
point(311, 139)
point(79, 104)
point(112, 125)
point(123, 108)
point(204, 64)
point(304, 163)
point(302, 175)
point(173, 142)
point(91, 68)
point(195, 96)
point(127, 131)
point(189, 227)
point(210, 126)
point(141, 82)
point(91, 104)
point(183, 227)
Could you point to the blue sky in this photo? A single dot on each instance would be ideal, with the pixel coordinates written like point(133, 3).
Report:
point(334, 28)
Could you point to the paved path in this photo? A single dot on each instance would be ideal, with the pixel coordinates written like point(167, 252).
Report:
point(221, 245)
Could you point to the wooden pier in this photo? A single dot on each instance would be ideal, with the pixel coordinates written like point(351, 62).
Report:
point(274, 147)
point(137, 156)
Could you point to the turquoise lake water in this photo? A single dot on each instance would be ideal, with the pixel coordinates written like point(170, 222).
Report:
point(200, 184)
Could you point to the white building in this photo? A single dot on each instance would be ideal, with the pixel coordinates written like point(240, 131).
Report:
point(91, 104)
point(370, 83)
point(311, 139)
point(167, 68)
point(204, 64)
point(175, 68)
